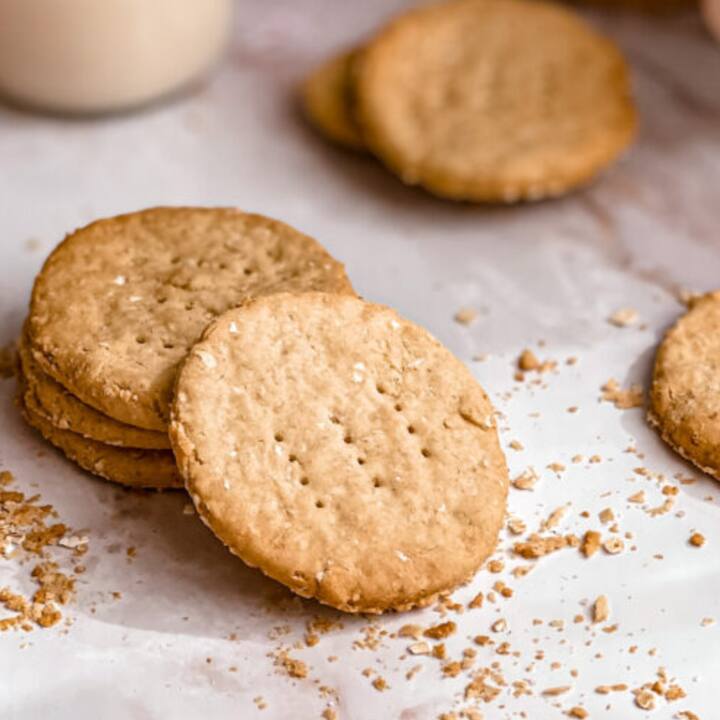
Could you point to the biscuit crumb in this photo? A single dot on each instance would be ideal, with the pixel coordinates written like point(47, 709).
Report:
point(413, 671)
point(537, 546)
point(495, 566)
point(441, 631)
point(411, 630)
point(380, 684)
point(419, 648)
point(591, 543)
point(674, 692)
point(526, 480)
point(555, 691)
point(625, 317)
point(465, 316)
point(638, 497)
point(697, 539)
point(477, 601)
point(529, 362)
point(554, 519)
point(605, 689)
point(480, 688)
point(578, 712)
point(645, 699)
point(293, 667)
point(613, 546)
point(633, 397)
point(601, 609)
point(516, 526)
point(606, 516)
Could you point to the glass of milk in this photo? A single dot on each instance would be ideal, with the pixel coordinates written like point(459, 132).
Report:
point(96, 56)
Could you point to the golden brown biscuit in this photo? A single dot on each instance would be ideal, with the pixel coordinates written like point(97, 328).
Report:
point(685, 393)
point(341, 449)
point(120, 302)
point(152, 469)
point(326, 101)
point(493, 100)
point(66, 412)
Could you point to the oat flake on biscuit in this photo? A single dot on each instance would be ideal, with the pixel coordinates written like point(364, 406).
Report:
point(368, 495)
point(116, 344)
point(493, 100)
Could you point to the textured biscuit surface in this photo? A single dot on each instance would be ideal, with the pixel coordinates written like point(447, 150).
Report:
point(152, 469)
point(120, 302)
point(685, 394)
point(493, 100)
point(341, 449)
point(66, 412)
point(326, 101)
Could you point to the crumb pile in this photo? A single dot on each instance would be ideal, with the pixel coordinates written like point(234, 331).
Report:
point(30, 536)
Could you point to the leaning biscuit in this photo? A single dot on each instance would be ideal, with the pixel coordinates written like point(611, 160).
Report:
point(327, 104)
point(66, 412)
point(493, 100)
point(685, 393)
point(151, 469)
point(341, 449)
point(120, 302)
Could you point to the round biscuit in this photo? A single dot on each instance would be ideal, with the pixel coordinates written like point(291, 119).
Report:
point(493, 100)
point(341, 449)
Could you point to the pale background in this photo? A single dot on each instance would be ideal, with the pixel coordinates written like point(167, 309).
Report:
point(552, 271)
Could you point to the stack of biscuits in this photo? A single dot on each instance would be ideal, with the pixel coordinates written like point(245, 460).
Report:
point(324, 439)
point(117, 306)
point(481, 100)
